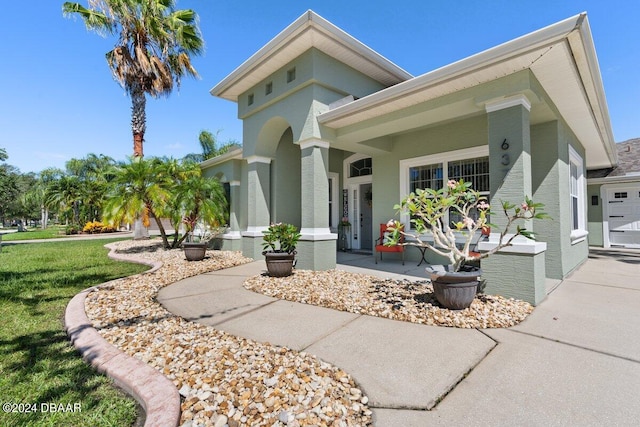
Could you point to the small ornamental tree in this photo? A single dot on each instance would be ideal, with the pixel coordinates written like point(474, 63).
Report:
point(430, 209)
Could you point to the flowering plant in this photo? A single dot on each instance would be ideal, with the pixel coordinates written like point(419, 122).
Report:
point(197, 232)
point(280, 237)
point(344, 222)
point(429, 211)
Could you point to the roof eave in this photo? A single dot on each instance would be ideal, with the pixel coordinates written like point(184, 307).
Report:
point(499, 53)
point(231, 155)
point(589, 63)
point(613, 180)
point(573, 31)
point(306, 20)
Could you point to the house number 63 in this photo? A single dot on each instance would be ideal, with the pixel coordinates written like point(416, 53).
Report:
point(505, 157)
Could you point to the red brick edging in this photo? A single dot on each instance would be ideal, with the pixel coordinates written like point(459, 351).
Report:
point(155, 392)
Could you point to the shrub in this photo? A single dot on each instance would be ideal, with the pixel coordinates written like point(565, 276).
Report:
point(95, 227)
point(71, 229)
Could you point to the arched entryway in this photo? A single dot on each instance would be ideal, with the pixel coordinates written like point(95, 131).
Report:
point(285, 181)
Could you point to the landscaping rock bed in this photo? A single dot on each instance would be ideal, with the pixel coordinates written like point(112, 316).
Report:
point(394, 299)
point(223, 379)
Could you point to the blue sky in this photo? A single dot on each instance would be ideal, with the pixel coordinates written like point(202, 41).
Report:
point(58, 100)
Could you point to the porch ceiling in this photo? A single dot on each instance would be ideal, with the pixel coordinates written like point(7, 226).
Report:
point(561, 57)
point(310, 30)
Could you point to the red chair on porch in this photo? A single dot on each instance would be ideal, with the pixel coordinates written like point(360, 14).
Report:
point(380, 247)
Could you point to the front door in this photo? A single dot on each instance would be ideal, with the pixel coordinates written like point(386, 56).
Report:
point(366, 192)
point(358, 170)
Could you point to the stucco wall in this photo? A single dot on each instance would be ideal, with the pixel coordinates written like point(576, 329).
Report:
point(320, 80)
point(227, 171)
point(551, 184)
point(546, 169)
point(573, 254)
point(471, 132)
point(285, 182)
point(594, 216)
point(313, 66)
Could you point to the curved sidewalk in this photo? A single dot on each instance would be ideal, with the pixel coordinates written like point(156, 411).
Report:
point(575, 360)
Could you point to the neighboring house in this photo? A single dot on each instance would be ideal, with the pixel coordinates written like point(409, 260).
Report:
point(614, 200)
point(331, 129)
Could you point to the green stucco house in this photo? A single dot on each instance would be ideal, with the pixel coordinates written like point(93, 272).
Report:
point(332, 129)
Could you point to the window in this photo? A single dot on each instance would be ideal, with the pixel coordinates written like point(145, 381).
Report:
point(434, 171)
point(334, 201)
point(475, 171)
point(291, 75)
point(268, 88)
point(577, 196)
point(428, 176)
point(250, 99)
point(360, 167)
point(575, 211)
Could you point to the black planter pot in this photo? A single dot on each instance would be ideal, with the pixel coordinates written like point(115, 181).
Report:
point(279, 264)
point(194, 251)
point(455, 290)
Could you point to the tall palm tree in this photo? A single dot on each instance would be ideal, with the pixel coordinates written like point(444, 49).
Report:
point(154, 48)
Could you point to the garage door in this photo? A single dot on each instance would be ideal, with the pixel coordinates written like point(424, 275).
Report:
point(624, 217)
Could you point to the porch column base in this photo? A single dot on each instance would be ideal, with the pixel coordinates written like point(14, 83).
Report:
point(232, 241)
point(252, 244)
point(316, 253)
point(513, 275)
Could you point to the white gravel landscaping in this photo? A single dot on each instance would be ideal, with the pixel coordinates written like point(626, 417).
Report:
point(229, 380)
point(393, 299)
point(223, 379)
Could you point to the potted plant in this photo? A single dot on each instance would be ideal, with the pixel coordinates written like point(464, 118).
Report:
point(455, 285)
point(199, 238)
point(279, 244)
point(344, 229)
point(195, 244)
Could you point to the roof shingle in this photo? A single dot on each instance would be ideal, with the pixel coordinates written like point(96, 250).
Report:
point(628, 161)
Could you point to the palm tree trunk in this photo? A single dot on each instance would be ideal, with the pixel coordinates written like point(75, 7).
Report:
point(43, 217)
point(163, 232)
point(138, 119)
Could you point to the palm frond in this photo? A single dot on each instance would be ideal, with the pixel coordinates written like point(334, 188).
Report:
point(93, 19)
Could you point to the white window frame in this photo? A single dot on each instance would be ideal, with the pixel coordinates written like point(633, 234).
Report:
point(336, 200)
point(580, 233)
point(444, 158)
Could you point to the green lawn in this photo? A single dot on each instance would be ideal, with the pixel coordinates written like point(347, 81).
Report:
point(49, 233)
point(38, 365)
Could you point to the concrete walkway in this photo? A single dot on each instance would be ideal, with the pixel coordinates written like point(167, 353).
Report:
point(574, 361)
